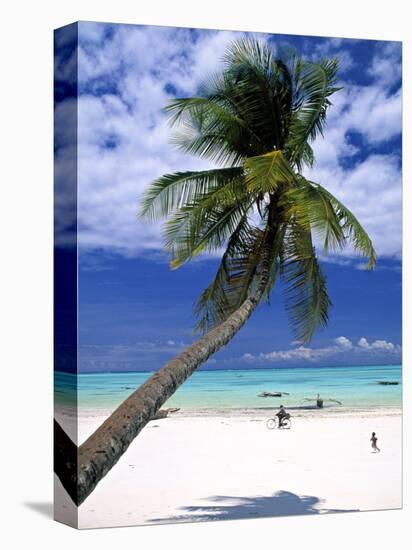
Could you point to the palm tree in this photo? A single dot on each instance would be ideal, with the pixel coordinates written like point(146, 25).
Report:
point(256, 120)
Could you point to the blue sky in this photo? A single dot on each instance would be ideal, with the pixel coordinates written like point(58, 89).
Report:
point(134, 312)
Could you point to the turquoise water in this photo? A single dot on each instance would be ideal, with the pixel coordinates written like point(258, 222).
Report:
point(354, 386)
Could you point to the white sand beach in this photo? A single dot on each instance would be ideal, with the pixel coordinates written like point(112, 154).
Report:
point(198, 468)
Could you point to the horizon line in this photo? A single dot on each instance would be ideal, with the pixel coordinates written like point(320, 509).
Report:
point(233, 369)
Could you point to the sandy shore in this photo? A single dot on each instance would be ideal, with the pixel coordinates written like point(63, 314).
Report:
point(232, 467)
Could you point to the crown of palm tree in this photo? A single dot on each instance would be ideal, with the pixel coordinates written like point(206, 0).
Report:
point(256, 120)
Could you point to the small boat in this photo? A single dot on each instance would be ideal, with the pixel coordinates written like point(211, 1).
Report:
point(272, 394)
point(320, 401)
point(388, 382)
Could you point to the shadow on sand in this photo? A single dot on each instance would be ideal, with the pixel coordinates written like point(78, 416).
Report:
point(281, 503)
point(45, 509)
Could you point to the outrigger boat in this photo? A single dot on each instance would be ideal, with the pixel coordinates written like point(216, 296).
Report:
point(320, 401)
point(272, 394)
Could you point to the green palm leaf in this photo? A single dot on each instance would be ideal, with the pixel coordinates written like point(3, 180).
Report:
point(256, 73)
point(216, 126)
point(317, 209)
point(207, 222)
point(169, 192)
point(351, 227)
point(236, 277)
point(307, 299)
point(316, 85)
point(214, 112)
point(213, 306)
point(315, 212)
point(266, 173)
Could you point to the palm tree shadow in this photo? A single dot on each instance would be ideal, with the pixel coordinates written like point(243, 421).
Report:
point(281, 503)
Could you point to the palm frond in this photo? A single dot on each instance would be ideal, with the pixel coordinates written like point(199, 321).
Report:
point(210, 110)
point(351, 227)
point(315, 86)
point(236, 277)
point(206, 223)
point(307, 155)
point(307, 299)
point(213, 305)
point(314, 211)
point(171, 191)
point(317, 209)
point(266, 173)
point(263, 84)
point(214, 126)
point(239, 273)
point(214, 146)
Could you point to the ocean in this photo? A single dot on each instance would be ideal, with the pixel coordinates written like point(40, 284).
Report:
point(354, 386)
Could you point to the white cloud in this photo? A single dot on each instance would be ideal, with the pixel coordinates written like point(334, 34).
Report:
point(386, 64)
point(142, 63)
point(341, 346)
point(140, 67)
point(332, 48)
point(375, 115)
point(373, 112)
point(343, 342)
point(377, 345)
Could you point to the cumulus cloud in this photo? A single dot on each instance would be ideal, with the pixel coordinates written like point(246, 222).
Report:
point(343, 342)
point(342, 346)
point(126, 79)
point(386, 65)
point(332, 47)
point(128, 73)
point(356, 169)
point(377, 345)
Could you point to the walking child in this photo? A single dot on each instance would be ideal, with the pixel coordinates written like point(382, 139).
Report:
point(374, 440)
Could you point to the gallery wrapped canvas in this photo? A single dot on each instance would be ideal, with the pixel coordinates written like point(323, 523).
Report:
point(227, 258)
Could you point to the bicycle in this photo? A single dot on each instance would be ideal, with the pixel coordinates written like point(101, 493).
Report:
point(285, 423)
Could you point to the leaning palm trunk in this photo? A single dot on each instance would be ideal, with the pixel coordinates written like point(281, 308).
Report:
point(100, 452)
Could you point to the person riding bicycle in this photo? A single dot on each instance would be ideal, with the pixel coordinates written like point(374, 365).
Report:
point(281, 414)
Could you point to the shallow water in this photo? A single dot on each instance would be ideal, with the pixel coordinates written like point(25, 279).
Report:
point(354, 386)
